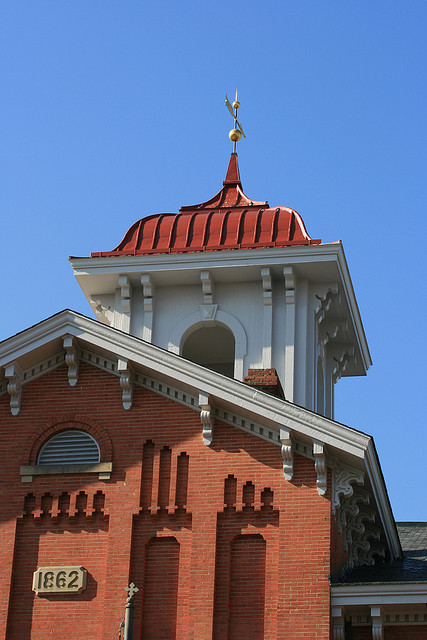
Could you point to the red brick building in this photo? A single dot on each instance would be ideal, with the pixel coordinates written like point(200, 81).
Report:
point(184, 441)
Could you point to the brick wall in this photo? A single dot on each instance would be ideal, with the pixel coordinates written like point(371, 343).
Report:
point(210, 532)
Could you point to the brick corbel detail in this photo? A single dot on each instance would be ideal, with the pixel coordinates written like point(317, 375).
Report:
point(266, 380)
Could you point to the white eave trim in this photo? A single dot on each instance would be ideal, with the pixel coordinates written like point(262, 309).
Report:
point(378, 593)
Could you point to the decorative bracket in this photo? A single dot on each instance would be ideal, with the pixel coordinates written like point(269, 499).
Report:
point(289, 274)
point(325, 301)
point(341, 360)
point(287, 441)
point(14, 388)
point(207, 287)
point(267, 293)
point(125, 286)
point(206, 418)
point(342, 485)
point(126, 382)
point(71, 359)
point(320, 466)
point(147, 291)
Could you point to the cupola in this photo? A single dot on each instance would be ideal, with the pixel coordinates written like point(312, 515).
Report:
point(237, 286)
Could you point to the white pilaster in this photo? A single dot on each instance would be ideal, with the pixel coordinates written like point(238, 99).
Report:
point(125, 302)
point(289, 274)
point(147, 292)
point(267, 326)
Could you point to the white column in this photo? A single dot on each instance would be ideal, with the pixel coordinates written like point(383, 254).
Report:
point(147, 292)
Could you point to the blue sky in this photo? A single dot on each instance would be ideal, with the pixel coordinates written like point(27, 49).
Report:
point(114, 110)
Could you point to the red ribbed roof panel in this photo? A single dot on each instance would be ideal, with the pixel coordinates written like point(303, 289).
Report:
point(229, 220)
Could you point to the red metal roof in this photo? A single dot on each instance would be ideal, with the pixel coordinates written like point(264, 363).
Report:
point(229, 220)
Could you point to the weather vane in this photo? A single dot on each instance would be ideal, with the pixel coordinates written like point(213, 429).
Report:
point(236, 133)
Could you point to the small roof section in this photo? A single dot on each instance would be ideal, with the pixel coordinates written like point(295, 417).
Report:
point(229, 220)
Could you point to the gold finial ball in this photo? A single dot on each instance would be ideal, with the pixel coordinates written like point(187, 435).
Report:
point(236, 104)
point(235, 135)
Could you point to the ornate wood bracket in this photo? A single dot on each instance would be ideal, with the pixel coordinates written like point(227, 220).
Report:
point(320, 466)
point(325, 301)
point(206, 418)
point(126, 382)
point(13, 373)
point(71, 359)
point(287, 441)
point(343, 480)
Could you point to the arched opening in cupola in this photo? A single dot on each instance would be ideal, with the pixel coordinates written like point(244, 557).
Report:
point(213, 347)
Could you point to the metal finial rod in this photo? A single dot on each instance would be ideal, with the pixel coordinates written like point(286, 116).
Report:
point(236, 133)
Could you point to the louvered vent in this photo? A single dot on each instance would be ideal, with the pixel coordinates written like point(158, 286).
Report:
point(70, 447)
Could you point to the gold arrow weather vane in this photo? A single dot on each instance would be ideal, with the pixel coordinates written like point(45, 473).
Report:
point(236, 133)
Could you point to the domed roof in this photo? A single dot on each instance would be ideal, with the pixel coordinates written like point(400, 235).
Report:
point(229, 220)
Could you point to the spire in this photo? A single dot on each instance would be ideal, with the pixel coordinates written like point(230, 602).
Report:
point(233, 175)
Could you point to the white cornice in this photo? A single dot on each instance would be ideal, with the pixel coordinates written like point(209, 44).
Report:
point(378, 593)
point(207, 259)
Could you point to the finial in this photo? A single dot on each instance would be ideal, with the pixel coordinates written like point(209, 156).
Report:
point(236, 133)
point(131, 589)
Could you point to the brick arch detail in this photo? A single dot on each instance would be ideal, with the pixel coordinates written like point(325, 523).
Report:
point(47, 430)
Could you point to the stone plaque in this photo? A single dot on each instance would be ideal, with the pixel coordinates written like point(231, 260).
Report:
point(67, 580)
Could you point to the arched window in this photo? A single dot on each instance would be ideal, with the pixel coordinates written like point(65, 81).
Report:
point(213, 347)
point(71, 446)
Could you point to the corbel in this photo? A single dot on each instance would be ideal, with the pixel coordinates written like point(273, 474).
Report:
point(126, 382)
point(125, 287)
point(377, 623)
point(338, 623)
point(13, 373)
point(289, 274)
point(147, 292)
point(207, 287)
point(320, 466)
point(206, 418)
point(286, 438)
point(71, 359)
point(266, 286)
